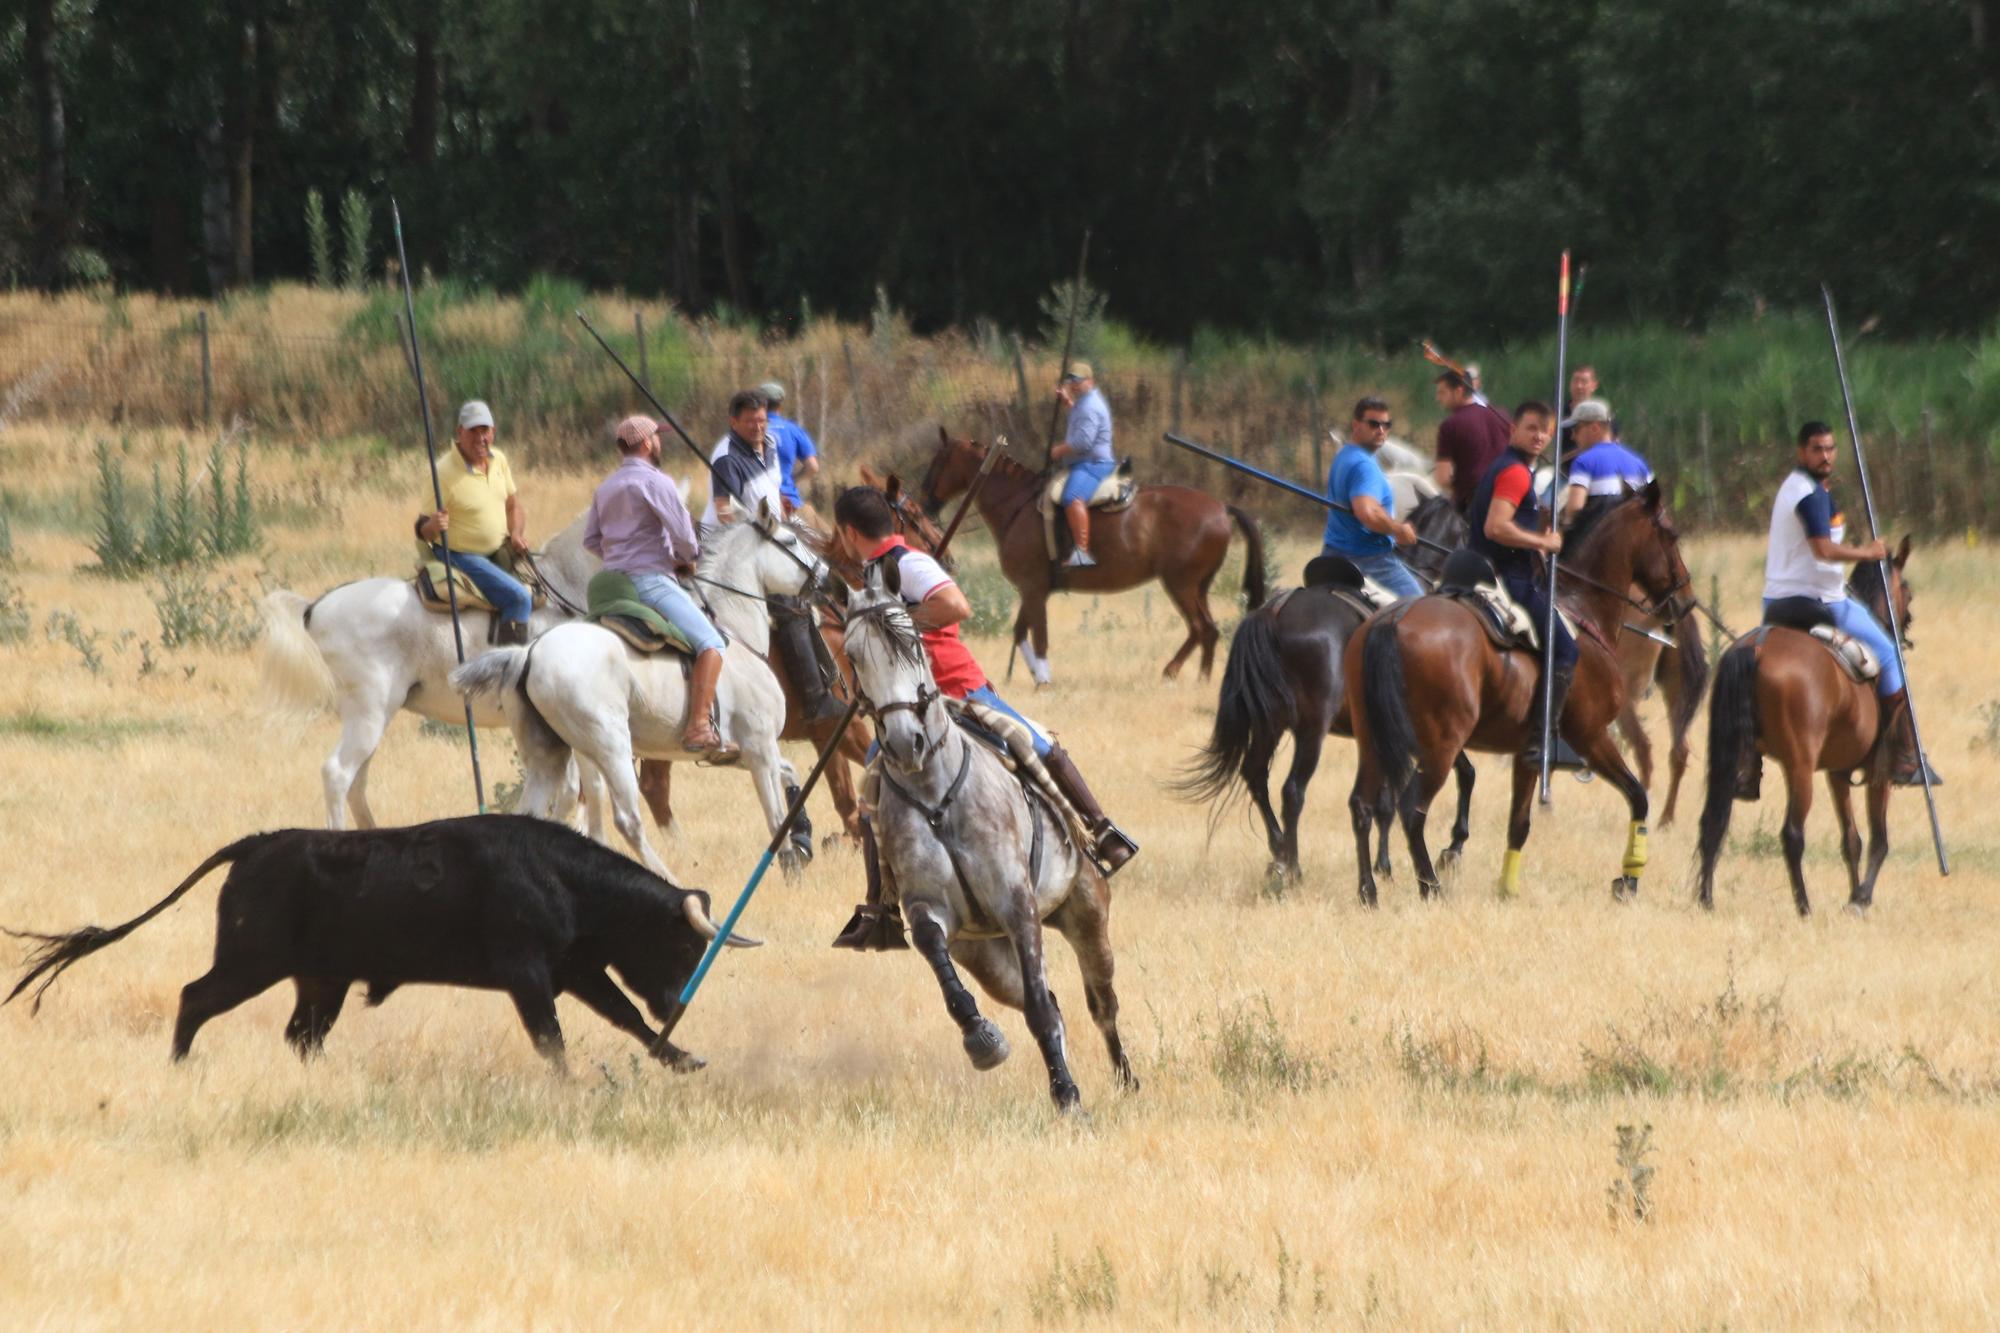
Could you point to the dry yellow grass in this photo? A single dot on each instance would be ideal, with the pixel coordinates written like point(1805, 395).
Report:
point(1404, 1117)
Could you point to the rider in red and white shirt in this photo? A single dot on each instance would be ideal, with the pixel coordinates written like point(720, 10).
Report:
point(865, 529)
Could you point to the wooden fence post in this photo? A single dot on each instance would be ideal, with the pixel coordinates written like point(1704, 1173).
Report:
point(639, 336)
point(1313, 425)
point(207, 371)
point(1938, 511)
point(1180, 385)
point(1021, 383)
point(854, 389)
point(1707, 467)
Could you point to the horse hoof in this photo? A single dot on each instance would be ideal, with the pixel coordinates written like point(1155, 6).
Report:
point(986, 1045)
point(1448, 859)
point(1625, 888)
point(1068, 1100)
point(685, 1063)
point(1859, 910)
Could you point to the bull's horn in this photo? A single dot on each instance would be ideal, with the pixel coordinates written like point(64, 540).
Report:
point(698, 918)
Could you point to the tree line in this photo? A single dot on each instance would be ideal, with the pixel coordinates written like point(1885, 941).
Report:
point(1354, 169)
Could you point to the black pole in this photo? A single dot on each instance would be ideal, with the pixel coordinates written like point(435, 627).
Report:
point(1069, 345)
point(993, 453)
point(1549, 727)
point(642, 387)
point(437, 495)
point(1875, 532)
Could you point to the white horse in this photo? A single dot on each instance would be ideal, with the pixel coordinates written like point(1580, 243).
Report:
point(371, 648)
point(978, 864)
point(589, 694)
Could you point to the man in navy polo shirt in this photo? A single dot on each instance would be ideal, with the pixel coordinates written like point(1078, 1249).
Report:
point(1369, 534)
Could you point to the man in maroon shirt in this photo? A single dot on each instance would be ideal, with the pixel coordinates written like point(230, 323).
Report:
point(1469, 439)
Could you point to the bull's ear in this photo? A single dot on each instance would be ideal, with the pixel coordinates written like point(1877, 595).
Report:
point(893, 488)
point(1903, 551)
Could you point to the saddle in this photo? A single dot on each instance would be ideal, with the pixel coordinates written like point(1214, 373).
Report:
point(1117, 491)
point(430, 585)
point(1338, 577)
point(613, 602)
point(1469, 578)
point(1810, 615)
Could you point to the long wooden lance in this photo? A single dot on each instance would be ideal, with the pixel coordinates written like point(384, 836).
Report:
point(779, 836)
point(1069, 345)
point(437, 495)
point(1875, 532)
point(1555, 557)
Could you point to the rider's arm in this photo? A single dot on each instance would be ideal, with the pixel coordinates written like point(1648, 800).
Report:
point(946, 605)
point(1574, 498)
point(1501, 529)
point(803, 467)
point(1816, 511)
point(1370, 514)
point(517, 523)
point(1826, 548)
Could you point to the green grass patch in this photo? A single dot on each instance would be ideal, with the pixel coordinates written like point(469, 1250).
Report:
point(35, 725)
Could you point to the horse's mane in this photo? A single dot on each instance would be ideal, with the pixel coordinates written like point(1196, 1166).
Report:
point(721, 543)
point(888, 620)
point(1865, 584)
point(1599, 534)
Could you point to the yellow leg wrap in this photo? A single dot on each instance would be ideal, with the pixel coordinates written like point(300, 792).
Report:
point(1510, 874)
point(1635, 850)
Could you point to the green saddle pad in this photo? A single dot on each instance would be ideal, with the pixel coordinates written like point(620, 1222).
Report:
point(612, 596)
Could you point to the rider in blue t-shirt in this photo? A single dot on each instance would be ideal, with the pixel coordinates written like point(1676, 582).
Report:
point(1369, 534)
point(798, 457)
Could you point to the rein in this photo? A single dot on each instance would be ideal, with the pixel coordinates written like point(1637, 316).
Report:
point(553, 591)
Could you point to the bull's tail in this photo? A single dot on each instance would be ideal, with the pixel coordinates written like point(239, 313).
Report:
point(1390, 729)
point(1732, 732)
point(1254, 591)
point(1254, 708)
point(295, 675)
point(57, 952)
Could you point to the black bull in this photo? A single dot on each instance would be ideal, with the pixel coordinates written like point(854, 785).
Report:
point(494, 902)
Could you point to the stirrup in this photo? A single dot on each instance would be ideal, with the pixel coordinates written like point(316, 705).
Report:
point(713, 753)
point(873, 928)
point(1112, 848)
point(1913, 776)
point(1079, 559)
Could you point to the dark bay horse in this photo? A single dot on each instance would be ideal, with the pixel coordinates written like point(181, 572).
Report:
point(656, 775)
point(1779, 692)
point(1284, 675)
point(1425, 683)
point(1175, 534)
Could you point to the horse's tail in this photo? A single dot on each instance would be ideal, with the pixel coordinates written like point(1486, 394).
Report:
point(1690, 661)
point(491, 673)
point(1254, 590)
point(1732, 731)
point(295, 675)
point(1252, 710)
point(57, 952)
point(1390, 730)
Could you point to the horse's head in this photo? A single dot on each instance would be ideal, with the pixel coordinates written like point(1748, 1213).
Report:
point(951, 470)
point(764, 555)
point(1641, 535)
point(892, 672)
point(1866, 585)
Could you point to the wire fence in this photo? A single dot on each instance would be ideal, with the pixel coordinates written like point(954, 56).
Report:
point(874, 396)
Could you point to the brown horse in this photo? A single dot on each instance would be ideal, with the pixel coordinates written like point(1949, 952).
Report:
point(1680, 674)
point(1779, 692)
point(1175, 534)
point(1425, 682)
point(656, 775)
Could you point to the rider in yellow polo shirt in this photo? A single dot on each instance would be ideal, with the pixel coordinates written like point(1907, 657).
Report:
point(481, 515)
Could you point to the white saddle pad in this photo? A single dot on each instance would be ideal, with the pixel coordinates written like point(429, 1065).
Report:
point(1856, 656)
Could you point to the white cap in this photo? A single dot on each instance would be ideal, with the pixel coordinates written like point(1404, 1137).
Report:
point(474, 413)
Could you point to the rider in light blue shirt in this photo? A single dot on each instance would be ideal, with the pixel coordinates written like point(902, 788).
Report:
point(1369, 534)
point(1086, 447)
point(798, 457)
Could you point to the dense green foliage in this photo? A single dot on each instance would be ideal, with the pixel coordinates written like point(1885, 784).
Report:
point(1362, 169)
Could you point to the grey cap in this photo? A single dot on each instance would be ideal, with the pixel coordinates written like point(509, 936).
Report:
point(1590, 409)
point(771, 392)
point(474, 413)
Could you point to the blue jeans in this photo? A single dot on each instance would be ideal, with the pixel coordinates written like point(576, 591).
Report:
point(495, 584)
point(1533, 593)
point(664, 594)
point(1851, 617)
point(1386, 568)
point(1084, 479)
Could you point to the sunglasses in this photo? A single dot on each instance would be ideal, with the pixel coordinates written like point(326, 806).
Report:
point(1379, 423)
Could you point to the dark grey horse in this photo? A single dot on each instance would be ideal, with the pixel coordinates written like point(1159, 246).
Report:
point(978, 864)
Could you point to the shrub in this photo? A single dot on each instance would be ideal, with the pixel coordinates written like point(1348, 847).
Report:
point(319, 239)
point(114, 540)
point(354, 240)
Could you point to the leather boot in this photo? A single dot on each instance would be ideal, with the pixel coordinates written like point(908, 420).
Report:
point(699, 735)
point(514, 633)
point(1565, 757)
point(1110, 847)
point(792, 636)
point(875, 925)
point(1901, 738)
point(1078, 514)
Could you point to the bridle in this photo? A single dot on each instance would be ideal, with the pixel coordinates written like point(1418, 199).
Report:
point(927, 692)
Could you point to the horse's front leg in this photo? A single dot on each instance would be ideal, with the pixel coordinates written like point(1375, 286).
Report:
point(1044, 1017)
point(1520, 807)
point(1601, 753)
point(985, 1044)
